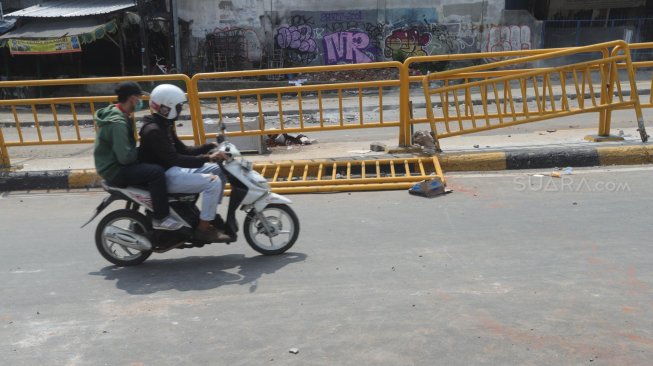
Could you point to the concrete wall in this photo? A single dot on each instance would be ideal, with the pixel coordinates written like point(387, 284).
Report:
point(343, 31)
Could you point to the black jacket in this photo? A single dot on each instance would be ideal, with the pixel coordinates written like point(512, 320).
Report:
point(160, 145)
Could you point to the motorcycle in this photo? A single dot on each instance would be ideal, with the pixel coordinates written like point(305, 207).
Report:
point(125, 237)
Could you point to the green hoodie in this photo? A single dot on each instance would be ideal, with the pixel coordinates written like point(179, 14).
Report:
point(115, 145)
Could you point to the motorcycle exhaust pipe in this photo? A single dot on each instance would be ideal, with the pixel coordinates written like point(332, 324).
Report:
point(127, 238)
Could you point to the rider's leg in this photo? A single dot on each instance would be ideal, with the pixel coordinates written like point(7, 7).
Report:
point(212, 168)
point(181, 180)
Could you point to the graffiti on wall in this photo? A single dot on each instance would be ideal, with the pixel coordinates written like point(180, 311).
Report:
point(508, 38)
point(238, 46)
point(348, 47)
point(432, 39)
point(298, 41)
point(357, 36)
point(341, 16)
point(409, 42)
point(331, 37)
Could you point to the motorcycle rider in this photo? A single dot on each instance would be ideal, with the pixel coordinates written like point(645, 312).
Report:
point(115, 154)
point(187, 169)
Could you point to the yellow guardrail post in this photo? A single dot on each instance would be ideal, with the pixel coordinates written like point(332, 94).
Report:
point(4, 154)
point(196, 112)
point(605, 95)
point(404, 106)
point(634, 95)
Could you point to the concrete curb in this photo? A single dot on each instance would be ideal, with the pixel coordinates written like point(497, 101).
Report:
point(451, 162)
point(547, 158)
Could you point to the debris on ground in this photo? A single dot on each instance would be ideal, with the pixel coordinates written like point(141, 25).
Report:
point(429, 188)
point(359, 151)
point(297, 82)
point(377, 146)
point(551, 131)
point(426, 141)
point(476, 146)
point(560, 172)
point(621, 132)
point(294, 351)
point(288, 140)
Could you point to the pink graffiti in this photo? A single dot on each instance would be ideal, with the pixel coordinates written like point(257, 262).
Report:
point(508, 38)
point(346, 47)
point(298, 38)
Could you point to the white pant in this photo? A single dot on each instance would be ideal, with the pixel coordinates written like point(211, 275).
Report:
point(198, 180)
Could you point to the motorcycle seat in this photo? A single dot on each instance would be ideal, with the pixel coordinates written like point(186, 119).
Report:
point(113, 187)
point(174, 196)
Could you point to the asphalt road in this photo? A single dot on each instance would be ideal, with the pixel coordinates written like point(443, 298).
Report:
point(509, 269)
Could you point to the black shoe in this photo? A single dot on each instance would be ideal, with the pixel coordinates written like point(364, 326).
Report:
point(212, 235)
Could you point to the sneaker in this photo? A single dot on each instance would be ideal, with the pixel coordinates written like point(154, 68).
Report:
point(212, 235)
point(168, 223)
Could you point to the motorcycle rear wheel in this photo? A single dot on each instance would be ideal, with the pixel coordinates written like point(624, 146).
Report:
point(284, 220)
point(115, 253)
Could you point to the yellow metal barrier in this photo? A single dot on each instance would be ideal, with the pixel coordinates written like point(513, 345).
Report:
point(482, 57)
point(459, 115)
point(348, 175)
point(48, 115)
point(271, 115)
point(504, 95)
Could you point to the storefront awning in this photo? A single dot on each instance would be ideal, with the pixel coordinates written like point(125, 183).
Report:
point(6, 25)
point(81, 30)
point(89, 29)
point(72, 8)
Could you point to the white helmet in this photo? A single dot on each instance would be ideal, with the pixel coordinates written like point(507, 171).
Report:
point(167, 101)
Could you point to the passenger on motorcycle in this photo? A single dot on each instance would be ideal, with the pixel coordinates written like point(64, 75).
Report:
point(116, 155)
point(188, 169)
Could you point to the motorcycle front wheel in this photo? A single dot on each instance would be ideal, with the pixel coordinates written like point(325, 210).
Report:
point(115, 253)
point(284, 222)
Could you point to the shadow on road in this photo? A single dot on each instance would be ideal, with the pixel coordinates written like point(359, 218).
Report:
point(196, 273)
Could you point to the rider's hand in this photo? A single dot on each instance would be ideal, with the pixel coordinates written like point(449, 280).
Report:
point(218, 156)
